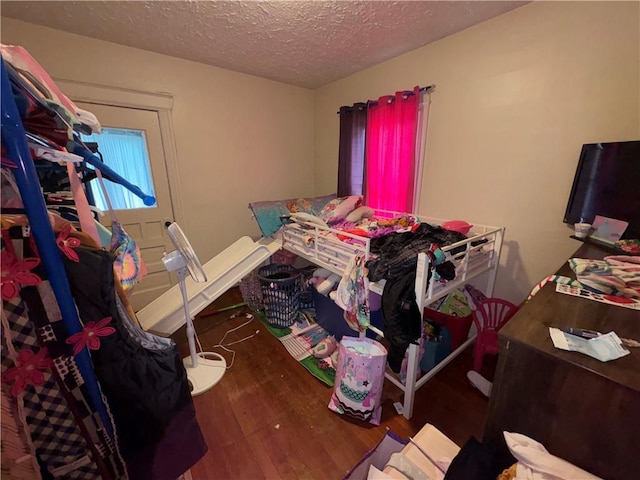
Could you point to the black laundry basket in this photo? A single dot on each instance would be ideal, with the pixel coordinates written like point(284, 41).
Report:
point(280, 285)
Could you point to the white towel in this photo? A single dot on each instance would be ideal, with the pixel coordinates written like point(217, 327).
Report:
point(536, 463)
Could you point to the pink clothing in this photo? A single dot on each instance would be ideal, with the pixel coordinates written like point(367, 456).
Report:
point(20, 59)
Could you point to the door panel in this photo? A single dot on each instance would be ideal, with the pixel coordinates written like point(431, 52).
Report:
point(145, 225)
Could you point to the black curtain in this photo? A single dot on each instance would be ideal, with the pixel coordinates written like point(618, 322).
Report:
point(353, 125)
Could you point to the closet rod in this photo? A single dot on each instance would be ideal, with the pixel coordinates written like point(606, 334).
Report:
point(426, 89)
point(94, 160)
point(14, 140)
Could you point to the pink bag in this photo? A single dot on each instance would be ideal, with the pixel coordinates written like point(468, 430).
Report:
point(359, 378)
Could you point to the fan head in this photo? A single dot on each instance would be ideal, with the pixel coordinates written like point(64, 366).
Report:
point(185, 249)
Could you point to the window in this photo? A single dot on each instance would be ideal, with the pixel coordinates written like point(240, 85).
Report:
point(380, 145)
point(125, 151)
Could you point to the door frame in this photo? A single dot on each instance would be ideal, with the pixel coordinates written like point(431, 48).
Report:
point(161, 103)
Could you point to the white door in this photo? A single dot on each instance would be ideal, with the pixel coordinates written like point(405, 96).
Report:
point(146, 224)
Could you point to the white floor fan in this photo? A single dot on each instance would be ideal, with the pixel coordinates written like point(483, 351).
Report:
point(204, 369)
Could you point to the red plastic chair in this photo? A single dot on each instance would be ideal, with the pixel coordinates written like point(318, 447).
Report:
point(489, 317)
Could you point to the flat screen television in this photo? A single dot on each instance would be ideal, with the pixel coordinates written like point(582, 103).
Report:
point(607, 183)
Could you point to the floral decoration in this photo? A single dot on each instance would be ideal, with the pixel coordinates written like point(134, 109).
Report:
point(90, 335)
point(28, 370)
point(15, 273)
point(66, 244)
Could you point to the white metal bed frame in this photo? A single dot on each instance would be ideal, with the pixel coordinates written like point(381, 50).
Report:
point(319, 245)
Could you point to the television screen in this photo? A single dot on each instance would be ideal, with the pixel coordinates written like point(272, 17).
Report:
point(607, 183)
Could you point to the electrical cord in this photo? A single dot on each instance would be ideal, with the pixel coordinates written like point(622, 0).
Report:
point(224, 346)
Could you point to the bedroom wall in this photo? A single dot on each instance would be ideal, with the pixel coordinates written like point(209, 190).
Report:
point(239, 138)
point(516, 97)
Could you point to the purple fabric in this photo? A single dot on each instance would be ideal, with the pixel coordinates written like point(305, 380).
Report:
point(146, 388)
point(353, 124)
point(181, 447)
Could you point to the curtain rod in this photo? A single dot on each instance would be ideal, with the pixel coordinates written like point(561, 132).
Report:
point(426, 89)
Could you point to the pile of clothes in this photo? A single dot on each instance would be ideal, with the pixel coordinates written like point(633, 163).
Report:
point(614, 275)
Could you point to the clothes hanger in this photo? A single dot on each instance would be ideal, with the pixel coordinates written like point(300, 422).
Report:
point(43, 149)
point(52, 155)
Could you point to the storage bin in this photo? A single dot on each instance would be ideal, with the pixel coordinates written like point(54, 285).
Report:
point(458, 326)
point(331, 317)
point(280, 286)
point(436, 351)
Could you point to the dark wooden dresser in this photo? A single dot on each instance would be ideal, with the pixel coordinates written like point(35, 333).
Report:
point(581, 409)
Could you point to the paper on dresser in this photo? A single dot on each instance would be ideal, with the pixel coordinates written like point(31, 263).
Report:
point(604, 348)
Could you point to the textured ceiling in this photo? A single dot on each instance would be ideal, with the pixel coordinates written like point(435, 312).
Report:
point(304, 43)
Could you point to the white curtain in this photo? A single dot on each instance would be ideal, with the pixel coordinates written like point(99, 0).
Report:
point(421, 147)
point(125, 151)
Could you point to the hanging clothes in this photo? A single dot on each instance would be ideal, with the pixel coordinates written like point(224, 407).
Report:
point(38, 118)
point(67, 435)
point(32, 71)
point(146, 388)
point(402, 318)
point(141, 375)
point(352, 295)
point(396, 256)
point(98, 397)
point(128, 265)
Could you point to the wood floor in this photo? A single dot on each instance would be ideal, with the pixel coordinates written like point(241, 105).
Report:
point(268, 417)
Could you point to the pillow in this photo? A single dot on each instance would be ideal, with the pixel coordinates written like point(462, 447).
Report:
point(299, 205)
point(338, 208)
point(268, 213)
point(307, 217)
point(360, 213)
point(459, 226)
point(318, 203)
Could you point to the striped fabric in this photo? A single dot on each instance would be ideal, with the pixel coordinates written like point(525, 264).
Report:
point(66, 434)
point(615, 275)
point(18, 461)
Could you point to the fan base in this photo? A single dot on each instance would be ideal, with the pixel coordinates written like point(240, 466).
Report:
point(209, 371)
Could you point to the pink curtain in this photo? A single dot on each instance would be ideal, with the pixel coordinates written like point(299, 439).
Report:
point(390, 151)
